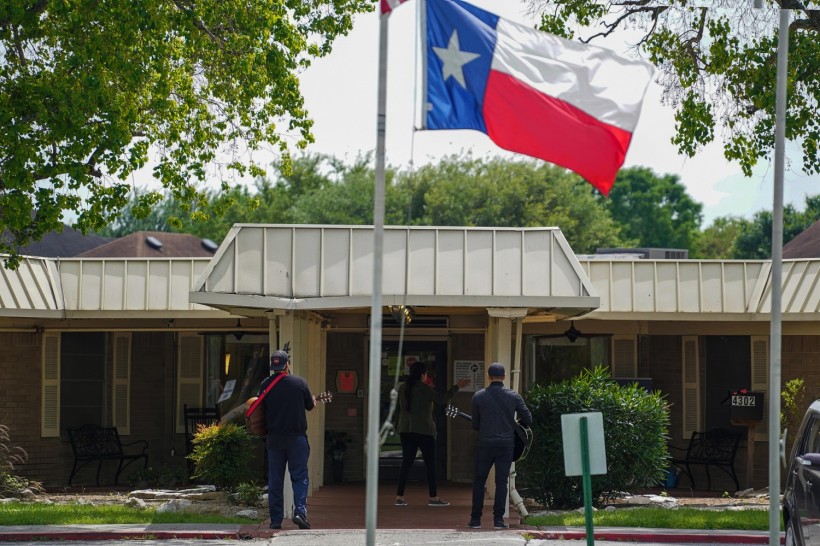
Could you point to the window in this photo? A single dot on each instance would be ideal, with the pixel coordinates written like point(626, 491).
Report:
point(554, 358)
point(234, 369)
point(82, 379)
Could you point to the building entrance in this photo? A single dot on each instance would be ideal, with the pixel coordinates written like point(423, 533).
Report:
point(434, 355)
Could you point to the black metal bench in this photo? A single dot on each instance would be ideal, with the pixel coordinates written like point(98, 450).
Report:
point(716, 447)
point(96, 443)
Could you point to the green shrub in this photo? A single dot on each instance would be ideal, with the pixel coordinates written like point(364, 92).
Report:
point(636, 425)
point(11, 485)
point(245, 494)
point(222, 455)
point(793, 407)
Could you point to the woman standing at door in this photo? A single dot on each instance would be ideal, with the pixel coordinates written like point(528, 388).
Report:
point(417, 430)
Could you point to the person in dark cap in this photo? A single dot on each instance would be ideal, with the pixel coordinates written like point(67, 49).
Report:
point(287, 445)
point(493, 411)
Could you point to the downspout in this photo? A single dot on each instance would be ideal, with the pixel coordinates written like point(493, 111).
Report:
point(515, 497)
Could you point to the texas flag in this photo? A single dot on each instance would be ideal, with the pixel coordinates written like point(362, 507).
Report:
point(565, 102)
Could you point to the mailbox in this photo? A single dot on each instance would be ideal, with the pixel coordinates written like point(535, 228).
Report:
point(746, 406)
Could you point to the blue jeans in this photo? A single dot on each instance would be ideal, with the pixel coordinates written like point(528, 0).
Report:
point(485, 458)
point(292, 452)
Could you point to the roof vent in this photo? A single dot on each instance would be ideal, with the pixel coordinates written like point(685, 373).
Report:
point(209, 245)
point(153, 242)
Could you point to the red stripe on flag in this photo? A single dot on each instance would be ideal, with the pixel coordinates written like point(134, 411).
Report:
point(521, 119)
point(386, 5)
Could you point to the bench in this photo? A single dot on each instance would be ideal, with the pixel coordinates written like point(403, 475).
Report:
point(716, 448)
point(95, 443)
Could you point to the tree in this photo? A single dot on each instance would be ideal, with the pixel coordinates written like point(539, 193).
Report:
point(318, 189)
point(88, 89)
point(717, 66)
point(462, 191)
point(654, 210)
point(717, 241)
point(755, 238)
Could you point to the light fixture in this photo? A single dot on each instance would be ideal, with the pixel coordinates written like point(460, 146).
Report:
point(227, 363)
point(402, 313)
point(572, 333)
point(238, 335)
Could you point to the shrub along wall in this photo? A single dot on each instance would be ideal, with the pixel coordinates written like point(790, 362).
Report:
point(636, 424)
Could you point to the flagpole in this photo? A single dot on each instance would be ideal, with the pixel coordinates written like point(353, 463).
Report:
point(374, 383)
point(777, 276)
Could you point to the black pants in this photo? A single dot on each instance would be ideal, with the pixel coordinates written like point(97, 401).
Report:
point(410, 443)
point(485, 458)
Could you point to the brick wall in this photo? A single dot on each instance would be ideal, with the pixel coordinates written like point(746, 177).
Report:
point(20, 400)
point(462, 436)
point(660, 358)
point(347, 351)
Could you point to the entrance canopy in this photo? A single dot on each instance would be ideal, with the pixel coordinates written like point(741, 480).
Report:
point(260, 268)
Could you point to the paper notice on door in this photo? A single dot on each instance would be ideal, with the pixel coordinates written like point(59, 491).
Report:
point(228, 390)
point(472, 370)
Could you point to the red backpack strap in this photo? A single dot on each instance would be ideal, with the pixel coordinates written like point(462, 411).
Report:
point(264, 393)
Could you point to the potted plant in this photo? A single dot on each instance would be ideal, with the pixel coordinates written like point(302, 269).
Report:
point(336, 447)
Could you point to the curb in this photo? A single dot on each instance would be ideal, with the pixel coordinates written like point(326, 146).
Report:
point(656, 535)
point(92, 535)
point(253, 531)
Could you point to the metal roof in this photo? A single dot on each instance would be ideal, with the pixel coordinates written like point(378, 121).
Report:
point(331, 267)
point(264, 267)
point(32, 290)
point(707, 289)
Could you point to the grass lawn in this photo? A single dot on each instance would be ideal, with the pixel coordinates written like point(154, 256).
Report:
point(22, 513)
point(662, 518)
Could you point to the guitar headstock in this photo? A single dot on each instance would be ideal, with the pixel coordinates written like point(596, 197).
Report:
point(451, 411)
point(324, 397)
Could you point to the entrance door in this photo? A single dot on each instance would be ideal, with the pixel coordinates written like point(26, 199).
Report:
point(434, 355)
point(727, 368)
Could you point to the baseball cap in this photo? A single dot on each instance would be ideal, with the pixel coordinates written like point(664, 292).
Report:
point(496, 370)
point(278, 361)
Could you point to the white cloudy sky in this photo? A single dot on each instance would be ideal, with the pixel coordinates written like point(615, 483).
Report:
point(340, 92)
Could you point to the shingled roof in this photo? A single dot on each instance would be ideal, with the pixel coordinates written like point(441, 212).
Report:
point(63, 244)
point(805, 245)
point(154, 244)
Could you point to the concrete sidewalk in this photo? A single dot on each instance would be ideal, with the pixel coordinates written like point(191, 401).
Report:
point(339, 509)
point(38, 533)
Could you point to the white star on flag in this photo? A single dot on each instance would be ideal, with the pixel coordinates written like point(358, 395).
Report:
point(453, 60)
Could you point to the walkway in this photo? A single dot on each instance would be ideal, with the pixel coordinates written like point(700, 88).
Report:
point(341, 507)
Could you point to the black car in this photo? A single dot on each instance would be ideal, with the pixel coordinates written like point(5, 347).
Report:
point(801, 500)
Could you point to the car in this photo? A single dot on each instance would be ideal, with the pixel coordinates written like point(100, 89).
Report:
point(801, 498)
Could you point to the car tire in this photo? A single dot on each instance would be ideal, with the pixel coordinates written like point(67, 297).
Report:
point(791, 533)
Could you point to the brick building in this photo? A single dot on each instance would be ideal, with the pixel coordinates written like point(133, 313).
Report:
point(129, 341)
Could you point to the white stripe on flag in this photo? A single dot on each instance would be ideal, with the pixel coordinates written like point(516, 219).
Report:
point(595, 80)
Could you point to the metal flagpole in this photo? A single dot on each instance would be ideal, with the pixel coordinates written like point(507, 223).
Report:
point(374, 383)
point(777, 275)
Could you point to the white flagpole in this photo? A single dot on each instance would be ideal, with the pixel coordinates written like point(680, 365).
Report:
point(777, 276)
point(374, 383)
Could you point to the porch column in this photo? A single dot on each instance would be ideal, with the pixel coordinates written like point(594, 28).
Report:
point(280, 335)
point(499, 348)
point(301, 333)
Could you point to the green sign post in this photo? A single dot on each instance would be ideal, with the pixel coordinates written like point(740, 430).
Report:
point(584, 433)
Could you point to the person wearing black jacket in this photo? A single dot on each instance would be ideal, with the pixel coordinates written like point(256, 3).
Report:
point(493, 412)
point(287, 445)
